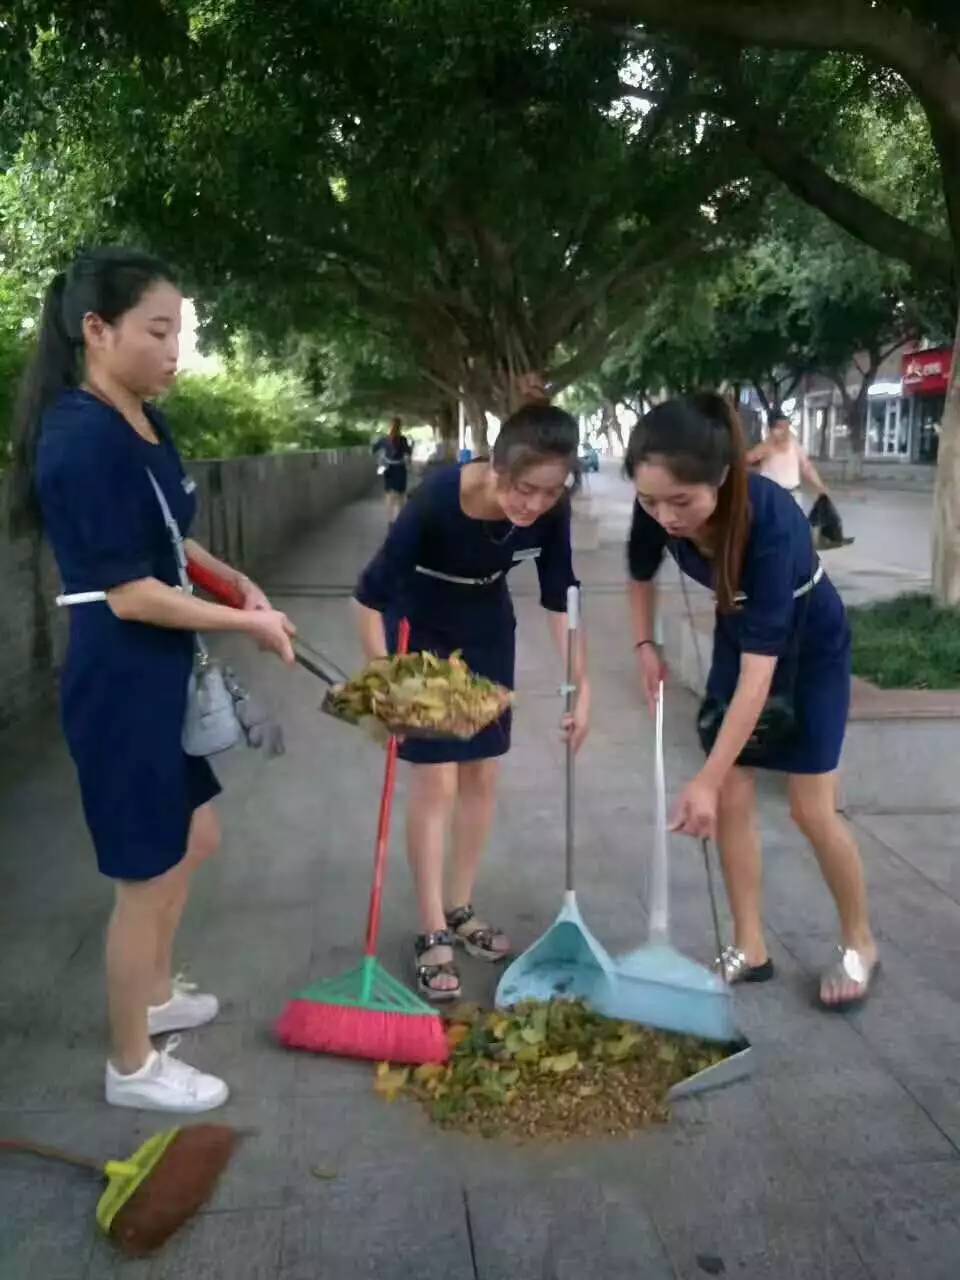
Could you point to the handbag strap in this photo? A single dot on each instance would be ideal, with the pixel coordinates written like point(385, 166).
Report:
point(179, 555)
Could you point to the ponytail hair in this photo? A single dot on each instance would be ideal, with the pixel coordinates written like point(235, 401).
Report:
point(699, 439)
point(106, 282)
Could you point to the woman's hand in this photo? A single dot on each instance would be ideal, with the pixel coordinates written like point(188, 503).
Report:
point(272, 632)
point(696, 811)
point(653, 672)
point(575, 725)
point(253, 597)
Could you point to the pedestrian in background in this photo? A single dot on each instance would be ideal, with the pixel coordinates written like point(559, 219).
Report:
point(783, 459)
point(395, 450)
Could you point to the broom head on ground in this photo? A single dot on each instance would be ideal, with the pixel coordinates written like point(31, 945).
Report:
point(157, 1189)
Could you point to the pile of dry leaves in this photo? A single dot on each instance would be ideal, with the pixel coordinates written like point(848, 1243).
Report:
point(549, 1070)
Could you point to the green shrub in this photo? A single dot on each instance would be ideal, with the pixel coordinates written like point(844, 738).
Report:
point(907, 643)
point(235, 413)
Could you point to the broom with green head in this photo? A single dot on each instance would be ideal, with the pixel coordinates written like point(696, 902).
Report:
point(367, 1013)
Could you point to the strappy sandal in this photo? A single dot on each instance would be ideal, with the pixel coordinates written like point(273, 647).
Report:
point(426, 974)
point(478, 941)
point(733, 966)
point(850, 966)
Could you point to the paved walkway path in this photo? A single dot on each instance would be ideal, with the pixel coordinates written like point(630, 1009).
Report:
point(839, 1159)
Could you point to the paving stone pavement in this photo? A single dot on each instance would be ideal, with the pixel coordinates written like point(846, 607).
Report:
point(839, 1158)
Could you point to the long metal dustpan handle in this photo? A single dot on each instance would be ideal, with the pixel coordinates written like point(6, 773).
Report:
point(569, 695)
point(659, 899)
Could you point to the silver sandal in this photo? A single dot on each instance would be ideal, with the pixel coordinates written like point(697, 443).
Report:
point(733, 966)
point(477, 942)
point(849, 967)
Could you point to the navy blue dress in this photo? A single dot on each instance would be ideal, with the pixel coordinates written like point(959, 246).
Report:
point(779, 559)
point(124, 684)
point(434, 533)
point(395, 454)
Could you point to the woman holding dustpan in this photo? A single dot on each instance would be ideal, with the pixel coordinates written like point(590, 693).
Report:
point(778, 689)
point(444, 566)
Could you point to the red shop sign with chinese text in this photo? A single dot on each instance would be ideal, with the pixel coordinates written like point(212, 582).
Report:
point(926, 373)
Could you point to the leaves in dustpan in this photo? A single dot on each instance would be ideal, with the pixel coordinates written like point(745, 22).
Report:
point(419, 693)
point(555, 1071)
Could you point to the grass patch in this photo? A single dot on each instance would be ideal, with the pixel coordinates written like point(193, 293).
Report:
point(907, 643)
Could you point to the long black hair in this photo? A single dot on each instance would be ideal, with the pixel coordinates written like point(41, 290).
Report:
point(537, 432)
point(107, 282)
point(700, 440)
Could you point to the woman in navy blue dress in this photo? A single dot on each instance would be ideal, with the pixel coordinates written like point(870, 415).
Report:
point(781, 628)
point(395, 452)
point(108, 342)
point(444, 567)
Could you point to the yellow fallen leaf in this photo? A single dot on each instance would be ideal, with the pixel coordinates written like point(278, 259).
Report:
point(391, 1083)
point(429, 1071)
point(561, 1063)
point(457, 1034)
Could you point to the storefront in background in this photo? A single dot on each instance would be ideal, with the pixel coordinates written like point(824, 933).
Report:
point(926, 376)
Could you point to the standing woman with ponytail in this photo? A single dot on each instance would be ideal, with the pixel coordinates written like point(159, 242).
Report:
point(781, 633)
point(444, 566)
point(87, 441)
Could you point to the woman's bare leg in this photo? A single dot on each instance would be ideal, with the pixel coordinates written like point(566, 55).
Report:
point(813, 807)
point(203, 841)
point(472, 820)
point(133, 938)
point(433, 793)
point(738, 837)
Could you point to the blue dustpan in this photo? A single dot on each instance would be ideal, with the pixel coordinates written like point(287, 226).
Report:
point(656, 984)
point(567, 962)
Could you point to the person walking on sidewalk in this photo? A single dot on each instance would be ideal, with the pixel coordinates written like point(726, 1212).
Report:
point(783, 459)
point(395, 450)
point(86, 444)
point(781, 630)
point(444, 566)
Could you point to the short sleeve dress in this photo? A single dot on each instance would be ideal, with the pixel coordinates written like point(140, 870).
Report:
point(447, 574)
point(124, 684)
point(396, 454)
point(780, 560)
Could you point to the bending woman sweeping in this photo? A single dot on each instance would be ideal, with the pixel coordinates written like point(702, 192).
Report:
point(781, 628)
point(86, 445)
point(444, 566)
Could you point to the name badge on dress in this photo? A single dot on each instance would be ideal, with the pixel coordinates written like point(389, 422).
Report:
point(189, 484)
point(531, 553)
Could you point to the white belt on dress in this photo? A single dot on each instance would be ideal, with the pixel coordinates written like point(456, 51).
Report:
point(800, 592)
point(460, 582)
point(81, 597)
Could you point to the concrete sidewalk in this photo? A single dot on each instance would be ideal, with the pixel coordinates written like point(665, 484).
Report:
point(840, 1159)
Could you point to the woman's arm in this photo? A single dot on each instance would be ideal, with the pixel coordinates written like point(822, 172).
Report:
point(576, 726)
point(253, 597)
point(696, 812)
point(758, 455)
point(150, 601)
point(373, 636)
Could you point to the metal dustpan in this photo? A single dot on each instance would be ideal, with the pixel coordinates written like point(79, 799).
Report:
point(656, 984)
point(567, 962)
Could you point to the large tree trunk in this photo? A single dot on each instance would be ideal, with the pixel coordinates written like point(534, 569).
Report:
point(610, 425)
point(946, 502)
point(477, 422)
point(447, 427)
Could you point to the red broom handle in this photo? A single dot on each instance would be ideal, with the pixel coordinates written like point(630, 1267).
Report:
point(222, 590)
point(383, 826)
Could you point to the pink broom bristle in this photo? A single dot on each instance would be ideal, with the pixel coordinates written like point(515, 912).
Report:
point(409, 1038)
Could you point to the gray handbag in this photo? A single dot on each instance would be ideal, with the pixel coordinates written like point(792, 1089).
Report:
point(210, 724)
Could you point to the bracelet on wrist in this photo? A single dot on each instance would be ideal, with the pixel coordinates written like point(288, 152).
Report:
point(642, 644)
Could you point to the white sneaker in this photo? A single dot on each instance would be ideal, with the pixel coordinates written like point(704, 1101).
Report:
point(185, 1009)
point(164, 1083)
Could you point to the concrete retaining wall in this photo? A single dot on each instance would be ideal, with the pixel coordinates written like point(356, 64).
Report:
point(249, 509)
point(879, 475)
